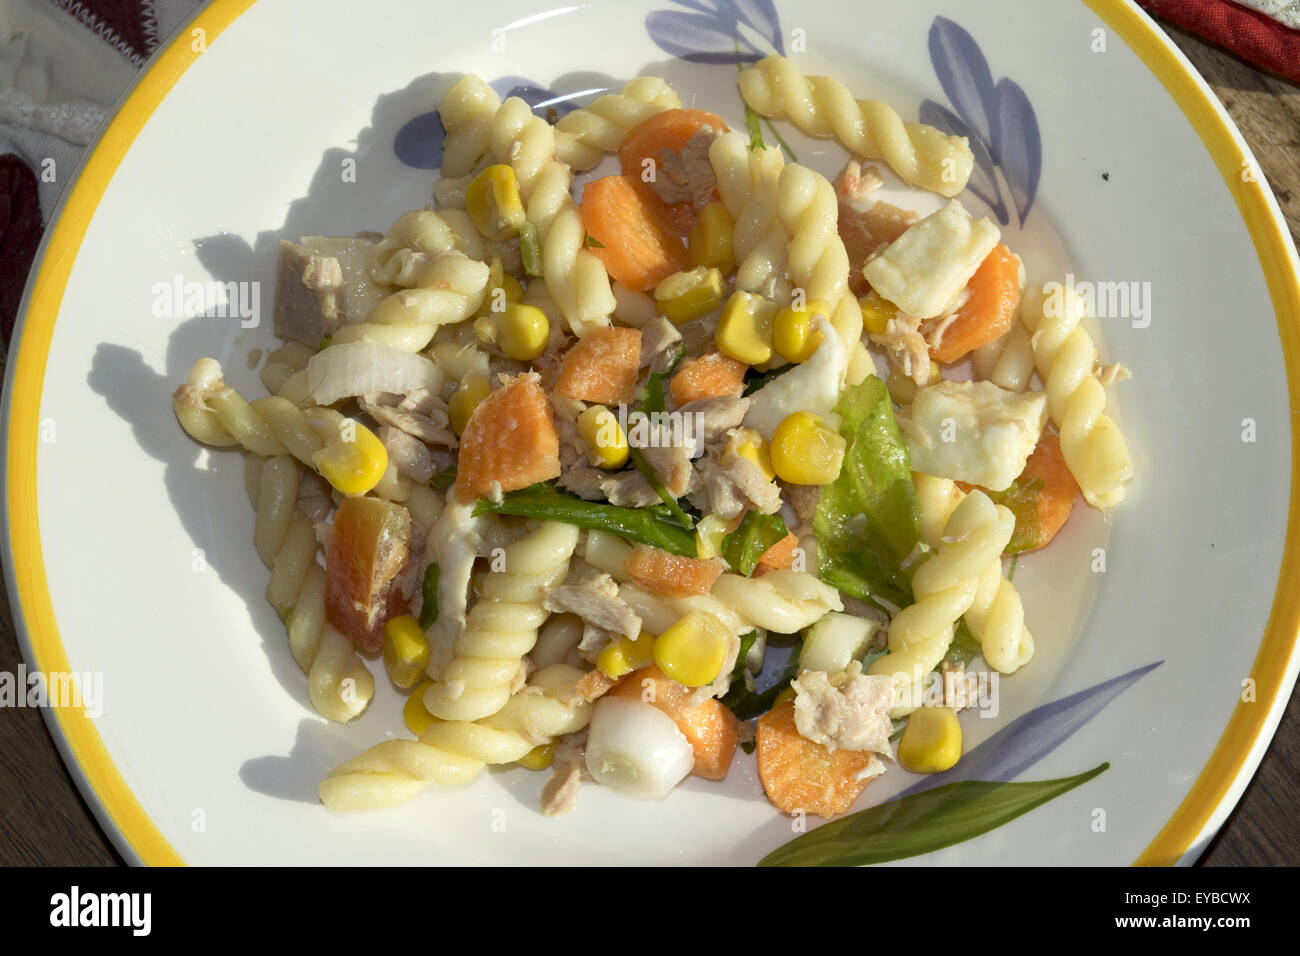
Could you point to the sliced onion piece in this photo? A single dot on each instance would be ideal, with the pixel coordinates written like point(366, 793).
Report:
point(358, 368)
point(636, 750)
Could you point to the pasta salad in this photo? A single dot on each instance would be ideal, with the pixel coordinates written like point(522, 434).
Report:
point(575, 454)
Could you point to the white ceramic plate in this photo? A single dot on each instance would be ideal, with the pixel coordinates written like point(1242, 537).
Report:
point(130, 552)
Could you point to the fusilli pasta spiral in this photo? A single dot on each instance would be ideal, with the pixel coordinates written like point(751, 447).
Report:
point(748, 183)
point(822, 106)
point(817, 259)
point(452, 752)
point(945, 587)
point(466, 113)
point(584, 136)
point(1066, 358)
point(338, 683)
point(422, 234)
point(502, 627)
point(449, 288)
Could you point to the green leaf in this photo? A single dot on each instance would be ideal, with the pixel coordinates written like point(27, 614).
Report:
point(650, 526)
point(641, 465)
point(964, 648)
point(746, 643)
point(654, 385)
point(867, 520)
point(746, 704)
point(753, 536)
point(1022, 500)
point(443, 479)
point(530, 249)
point(921, 823)
point(325, 341)
point(755, 133)
point(594, 243)
point(754, 382)
point(429, 591)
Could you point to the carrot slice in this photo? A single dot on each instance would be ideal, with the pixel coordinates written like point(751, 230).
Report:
point(671, 574)
point(708, 376)
point(668, 131)
point(1055, 499)
point(711, 728)
point(510, 440)
point(781, 555)
point(800, 775)
point(989, 311)
point(602, 367)
point(636, 248)
point(1042, 498)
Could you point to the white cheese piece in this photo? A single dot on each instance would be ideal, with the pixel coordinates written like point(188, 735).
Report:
point(924, 270)
point(972, 431)
point(813, 387)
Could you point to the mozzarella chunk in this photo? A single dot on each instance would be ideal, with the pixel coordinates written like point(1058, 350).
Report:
point(972, 431)
point(813, 386)
point(923, 270)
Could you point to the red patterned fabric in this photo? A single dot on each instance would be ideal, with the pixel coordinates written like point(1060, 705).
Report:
point(1247, 33)
point(20, 234)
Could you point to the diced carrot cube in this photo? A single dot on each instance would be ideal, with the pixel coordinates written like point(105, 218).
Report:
point(510, 440)
point(602, 367)
point(671, 574)
point(708, 376)
point(711, 728)
point(800, 775)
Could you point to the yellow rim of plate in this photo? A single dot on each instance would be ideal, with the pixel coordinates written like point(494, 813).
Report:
point(82, 739)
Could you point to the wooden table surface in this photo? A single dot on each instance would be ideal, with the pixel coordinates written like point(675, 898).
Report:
point(43, 820)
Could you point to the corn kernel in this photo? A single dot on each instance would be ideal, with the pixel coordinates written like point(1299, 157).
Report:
point(625, 656)
point(539, 758)
point(781, 698)
point(472, 390)
point(406, 650)
point(755, 449)
point(688, 295)
point(414, 714)
point(709, 532)
point(523, 332)
point(932, 741)
point(876, 312)
point(605, 440)
point(693, 650)
point(493, 202)
point(793, 334)
point(806, 450)
point(710, 238)
point(354, 462)
point(744, 330)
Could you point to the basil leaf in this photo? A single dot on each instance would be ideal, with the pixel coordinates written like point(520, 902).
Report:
point(443, 479)
point(641, 465)
point(754, 382)
point(654, 385)
point(647, 525)
point(753, 536)
point(921, 823)
point(594, 243)
point(746, 704)
point(429, 591)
